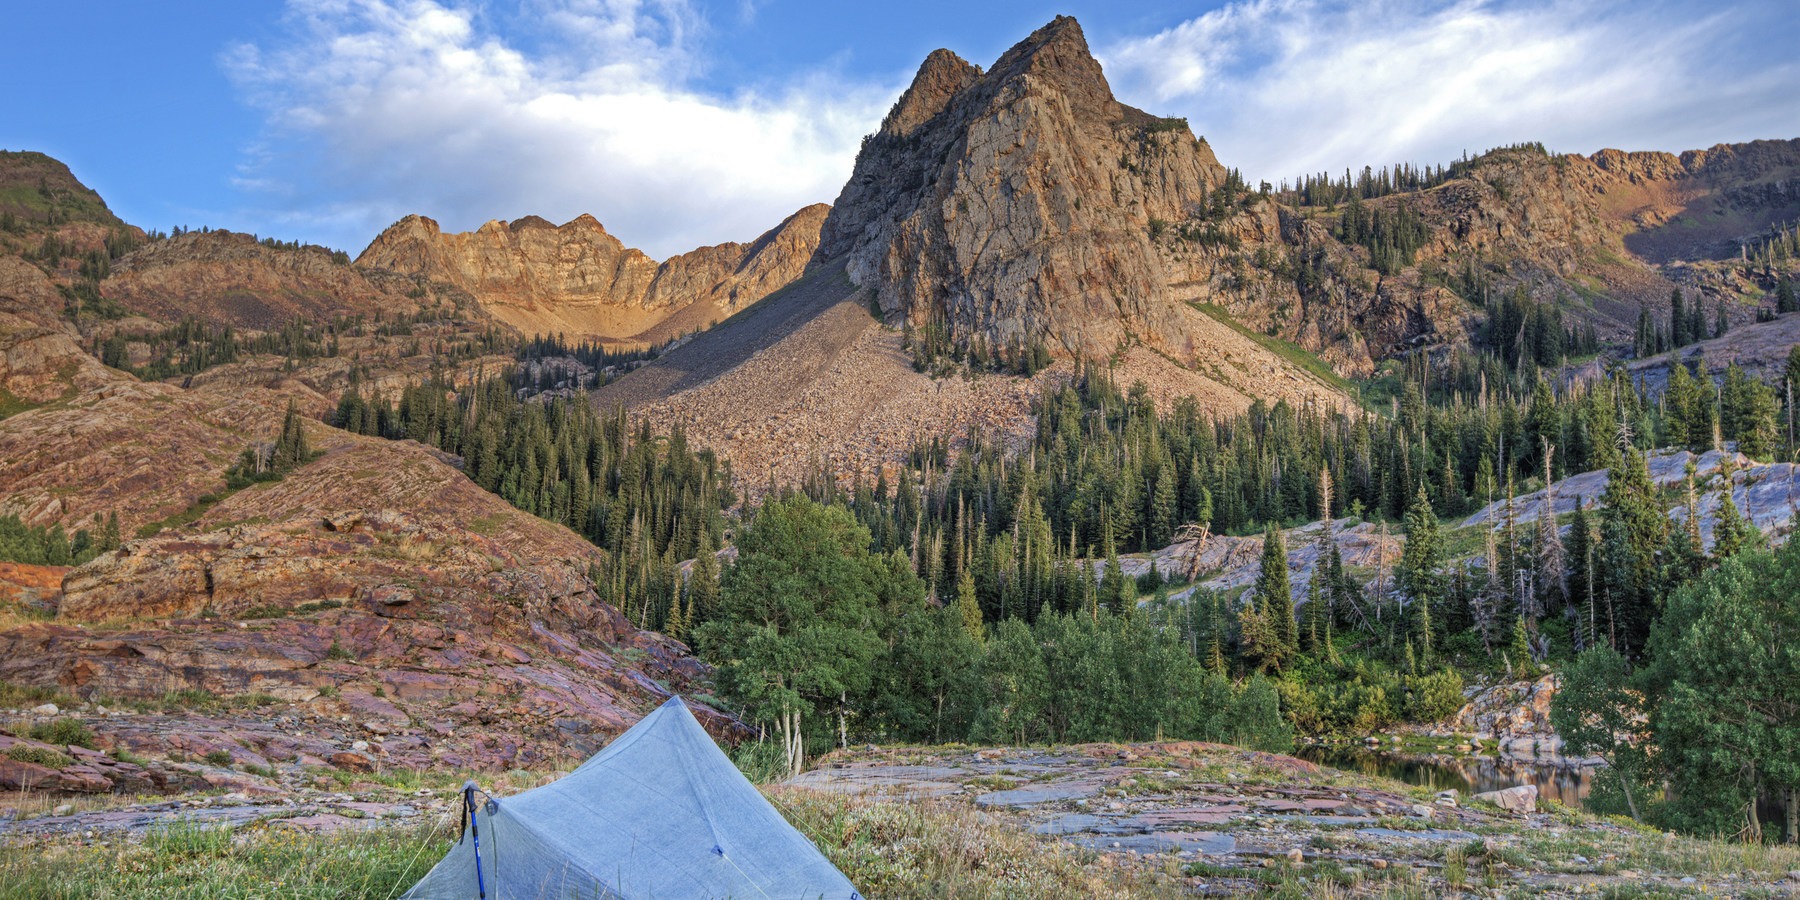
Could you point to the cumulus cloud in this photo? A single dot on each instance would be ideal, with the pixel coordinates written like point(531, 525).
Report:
point(1284, 87)
point(378, 108)
point(466, 111)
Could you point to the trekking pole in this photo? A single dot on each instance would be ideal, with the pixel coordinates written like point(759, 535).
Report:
point(469, 788)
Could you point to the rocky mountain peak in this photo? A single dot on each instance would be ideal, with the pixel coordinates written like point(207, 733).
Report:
point(1059, 52)
point(941, 77)
point(1019, 210)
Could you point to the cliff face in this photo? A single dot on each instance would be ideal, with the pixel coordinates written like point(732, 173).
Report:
point(1027, 204)
point(226, 277)
point(578, 280)
point(1016, 204)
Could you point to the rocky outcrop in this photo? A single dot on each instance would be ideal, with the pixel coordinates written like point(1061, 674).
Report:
point(376, 583)
point(1767, 495)
point(1015, 204)
point(1521, 799)
point(1516, 716)
point(41, 358)
point(582, 282)
point(1026, 204)
point(223, 277)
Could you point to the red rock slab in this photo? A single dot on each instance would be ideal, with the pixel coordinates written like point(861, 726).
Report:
point(24, 776)
point(1166, 818)
point(83, 780)
point(1280, 805)
point(319, 822)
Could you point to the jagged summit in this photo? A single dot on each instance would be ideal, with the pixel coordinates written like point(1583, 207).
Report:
point(578, 280)
point(941, 77)
point(1014, 206)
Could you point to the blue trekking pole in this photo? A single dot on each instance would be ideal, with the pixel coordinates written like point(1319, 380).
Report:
point(469, 788)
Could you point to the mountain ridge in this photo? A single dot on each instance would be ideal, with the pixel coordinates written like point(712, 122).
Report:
point(580, 281)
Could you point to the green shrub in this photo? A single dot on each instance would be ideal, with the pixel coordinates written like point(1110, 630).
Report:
point(42, 756)
point(1434, 697)
point(218, 758)
point(63, 731)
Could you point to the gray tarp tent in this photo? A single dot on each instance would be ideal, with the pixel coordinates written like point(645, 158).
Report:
point(661, 812)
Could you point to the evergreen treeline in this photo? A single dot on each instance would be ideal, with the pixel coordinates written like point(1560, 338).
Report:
point(1392, 236)
point(52, 546)
point(546, 363)
point(934, 351)
point(649, 501)
point(1686, 325)
point(1321, 189)
point(192, 346)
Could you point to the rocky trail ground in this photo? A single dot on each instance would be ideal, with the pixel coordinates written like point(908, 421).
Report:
point(1146, 820)
point(1228, 821)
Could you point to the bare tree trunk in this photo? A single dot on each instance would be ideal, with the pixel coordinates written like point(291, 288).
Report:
point(796, 744)
point(1793, 815)
point(843, 730)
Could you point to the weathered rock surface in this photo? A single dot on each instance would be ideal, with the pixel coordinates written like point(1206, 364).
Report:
point(582, 282)
point(223, 277)
point(1521, 799)
point(1516, 716)
point(1234, 815)
point(378, 585)
point(41, 357)
point(1768, 495)
point(1026, 203)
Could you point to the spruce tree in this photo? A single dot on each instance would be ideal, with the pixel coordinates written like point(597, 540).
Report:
point(1274, 592)
point(969, 607)
point(1633, 528)
point(1420, 559)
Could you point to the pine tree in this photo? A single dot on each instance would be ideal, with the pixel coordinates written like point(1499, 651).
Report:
point(969, 607)
point(1518, 649)
point(1274, 592)
point(1633, 528)
point(1420, 559)
point(1732, 532)
point(1747, 410)
point(291, 450)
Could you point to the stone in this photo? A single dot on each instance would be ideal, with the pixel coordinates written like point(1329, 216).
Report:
point(24, 776)
point(1446, 798)
point(82, 779)
point(46, 709)
point(352, 762)
point(1520, 799)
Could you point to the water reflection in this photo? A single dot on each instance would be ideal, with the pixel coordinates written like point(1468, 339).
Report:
point(1466, 774)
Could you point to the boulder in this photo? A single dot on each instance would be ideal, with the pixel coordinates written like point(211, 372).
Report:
point(1521, 799)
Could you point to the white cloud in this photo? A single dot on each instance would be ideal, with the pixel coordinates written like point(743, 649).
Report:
point(378, 108)
point(1283, 87)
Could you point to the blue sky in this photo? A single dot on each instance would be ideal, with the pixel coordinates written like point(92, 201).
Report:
point(679, 123)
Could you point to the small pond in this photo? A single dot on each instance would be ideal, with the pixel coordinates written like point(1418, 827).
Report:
point(1567, 785)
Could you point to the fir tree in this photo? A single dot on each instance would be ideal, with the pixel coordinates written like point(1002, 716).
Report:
point(1421, 558)
point(968, 607)
point(1633, 529)
point(1275, 594)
